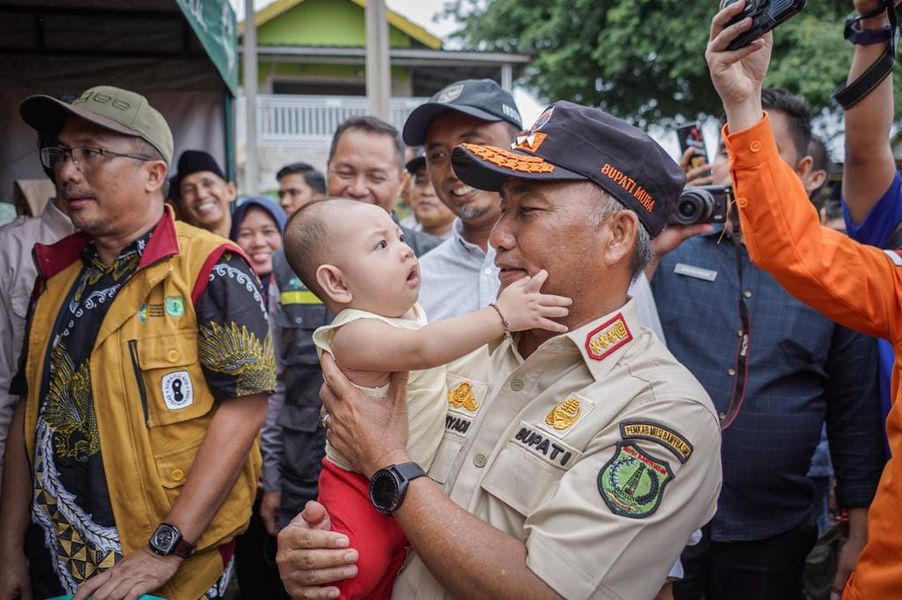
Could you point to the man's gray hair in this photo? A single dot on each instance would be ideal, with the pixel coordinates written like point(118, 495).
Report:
point(606, 206)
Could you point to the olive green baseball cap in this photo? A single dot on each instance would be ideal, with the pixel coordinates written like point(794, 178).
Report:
point(109, 107)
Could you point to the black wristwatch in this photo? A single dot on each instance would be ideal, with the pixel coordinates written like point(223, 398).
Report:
point(389, 485)
point(167, 540)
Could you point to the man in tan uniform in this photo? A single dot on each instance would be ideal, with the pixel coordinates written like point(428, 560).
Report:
point(571, 466)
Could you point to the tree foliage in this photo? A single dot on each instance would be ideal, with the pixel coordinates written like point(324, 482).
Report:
point(644, 59)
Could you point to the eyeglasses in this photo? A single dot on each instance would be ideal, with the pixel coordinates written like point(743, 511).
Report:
point(53, 157)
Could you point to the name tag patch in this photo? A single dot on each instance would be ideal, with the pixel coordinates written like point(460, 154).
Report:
point(457, 424)
point(655, 432)
point(178, 393)
point(552, 451)
point(696, 272)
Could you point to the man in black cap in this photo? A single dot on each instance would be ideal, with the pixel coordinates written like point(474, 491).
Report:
point(572, 465)
point(460, 276)
point(203, 193)
point(144, 378)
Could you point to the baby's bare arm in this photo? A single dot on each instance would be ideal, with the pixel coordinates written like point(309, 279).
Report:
point(372, 345)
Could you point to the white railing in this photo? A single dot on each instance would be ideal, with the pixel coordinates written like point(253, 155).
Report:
point(311, 120)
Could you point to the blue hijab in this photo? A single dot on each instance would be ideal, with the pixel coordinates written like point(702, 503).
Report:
point(274, 210)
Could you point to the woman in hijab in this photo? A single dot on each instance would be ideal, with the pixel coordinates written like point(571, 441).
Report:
point(257, 226)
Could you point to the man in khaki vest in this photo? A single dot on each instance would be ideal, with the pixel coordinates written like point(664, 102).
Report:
point(574, 465)
point(132, 459)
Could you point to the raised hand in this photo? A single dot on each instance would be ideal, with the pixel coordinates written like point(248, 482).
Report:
point(525, 307)
point(738, 75)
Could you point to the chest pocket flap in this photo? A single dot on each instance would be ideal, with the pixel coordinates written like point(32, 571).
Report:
point(170, 379)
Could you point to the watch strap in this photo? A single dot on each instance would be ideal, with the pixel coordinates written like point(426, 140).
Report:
point(183, 549)
point(410, 471)
point(867, 37)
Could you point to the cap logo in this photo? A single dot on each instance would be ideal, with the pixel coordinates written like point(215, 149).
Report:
point(103, 99)
point(629, 185)
point(529, 143)
point(542, 120)
point(518, 163)
point(608, 337)
point(450, 93)
point(511, 112)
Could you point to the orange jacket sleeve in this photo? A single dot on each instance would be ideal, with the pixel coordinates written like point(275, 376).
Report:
point(853, 284)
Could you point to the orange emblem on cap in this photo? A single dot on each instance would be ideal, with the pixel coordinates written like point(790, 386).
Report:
point(511, 160)
point(564, 414)
point(462, 397)
point(608, 337)
point(531, 142)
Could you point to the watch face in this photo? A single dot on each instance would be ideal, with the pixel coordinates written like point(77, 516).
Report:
point(163, 539)
point(384, 491)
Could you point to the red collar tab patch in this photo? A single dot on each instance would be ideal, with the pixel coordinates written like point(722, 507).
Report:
point(608, 337)
point(529, 143)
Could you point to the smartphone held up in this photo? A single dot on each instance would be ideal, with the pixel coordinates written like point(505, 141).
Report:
point(765, 14)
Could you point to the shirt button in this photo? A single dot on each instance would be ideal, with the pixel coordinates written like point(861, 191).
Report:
point(480, 460)
point(731, 372)
point(177, 474)
point(755, 146)
point(517, 384)
point(298, 320)
point(747, 294)
point(742, 202)
point(740, 333)
point(487, 271)
point(172, 356)
point(722, 416)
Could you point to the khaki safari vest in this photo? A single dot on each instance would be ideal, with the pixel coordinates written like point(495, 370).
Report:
point(149, 333)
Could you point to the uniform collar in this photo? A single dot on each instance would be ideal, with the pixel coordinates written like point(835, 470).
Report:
point(600, 343)
point(457, 229)
point(50, 259)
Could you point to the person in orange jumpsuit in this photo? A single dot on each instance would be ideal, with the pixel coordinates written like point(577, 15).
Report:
point(856, 285)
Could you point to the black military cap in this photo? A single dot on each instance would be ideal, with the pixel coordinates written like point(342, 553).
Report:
point(480, 98)
point(573, 142)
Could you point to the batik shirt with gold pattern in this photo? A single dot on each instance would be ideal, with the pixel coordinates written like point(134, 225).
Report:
point(76, 535)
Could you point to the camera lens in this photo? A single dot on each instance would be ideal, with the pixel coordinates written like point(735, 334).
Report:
point(694, 206)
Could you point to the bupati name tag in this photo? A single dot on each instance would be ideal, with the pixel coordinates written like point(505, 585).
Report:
point(696, 272)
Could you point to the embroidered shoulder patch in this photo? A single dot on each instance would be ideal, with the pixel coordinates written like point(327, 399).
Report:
point(655, 432)
point(632, 483)
point(608, 337)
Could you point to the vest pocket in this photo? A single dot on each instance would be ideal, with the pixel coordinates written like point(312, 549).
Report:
point(169, 379)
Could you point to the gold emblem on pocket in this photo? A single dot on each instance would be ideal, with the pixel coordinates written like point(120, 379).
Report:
point(462, 397)
point(564, 414)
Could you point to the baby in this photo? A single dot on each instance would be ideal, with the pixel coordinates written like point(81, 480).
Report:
point(353, 256)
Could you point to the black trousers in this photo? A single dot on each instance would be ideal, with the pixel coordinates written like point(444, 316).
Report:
point(769, 569)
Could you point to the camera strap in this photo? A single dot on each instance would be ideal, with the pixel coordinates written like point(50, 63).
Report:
point(849, 95)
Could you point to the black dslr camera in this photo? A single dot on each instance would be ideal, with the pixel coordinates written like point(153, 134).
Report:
point(765, 14)
point(704, 204)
